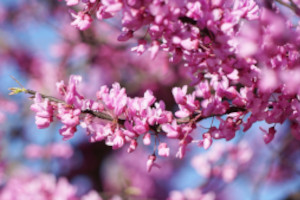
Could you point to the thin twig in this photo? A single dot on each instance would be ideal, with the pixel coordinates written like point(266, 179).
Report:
point(286, 4)
point(17, 81)
point(291, 6)
point(229, 110)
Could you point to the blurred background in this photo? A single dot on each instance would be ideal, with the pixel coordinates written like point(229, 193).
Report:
point(39, 47)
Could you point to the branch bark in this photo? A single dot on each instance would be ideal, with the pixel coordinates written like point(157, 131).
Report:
point(100, 115)
point(196, 117)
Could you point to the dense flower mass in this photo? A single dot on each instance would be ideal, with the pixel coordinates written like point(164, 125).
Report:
point(118, 119)
point(239, 53)
point(164, 74)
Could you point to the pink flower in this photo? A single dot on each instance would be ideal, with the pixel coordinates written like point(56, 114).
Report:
point(125, 35)
point(163, 150)
point(40, 186)
point(183, 112)
point(269, 136)
point(34, 151)
point(229, 172)
point(92, 195)
point(44, 111)
point(207, 141)
point(72, 2)
point(150, 163)
point(118, 140)
point(154, 49)
point(108, 8)
point(67, 132)
point(181, 151)
point(59, 150)
point(132, 146)
point(159, 115)
point(61, 87)
point(81, 21)
point(42, 122)
point(140, 49)
point(187, 103)
point(71, 118)
point(148, 99)
point(147, 139)
point(189, 44)
point(173, 130)
point(72, 97)
point(183, 146)
point(180, 94)
point(115, 99)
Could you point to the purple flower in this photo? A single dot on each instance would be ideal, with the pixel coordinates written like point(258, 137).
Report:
point(44, 111)
point(81, 21)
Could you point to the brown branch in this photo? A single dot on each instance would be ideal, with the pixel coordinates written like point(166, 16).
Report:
point(32, 92)
point(291, 6)
point(285, 4)
point(100, 115)
point(188, 20)
point(195, 118)
point(229, 110)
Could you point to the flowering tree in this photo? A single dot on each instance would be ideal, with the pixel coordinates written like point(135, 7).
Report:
point(161, 80)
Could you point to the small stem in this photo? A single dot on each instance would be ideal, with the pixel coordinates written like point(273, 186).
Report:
point(32, 92)
point(17, 81)
point(285, 4)
point(291, 6)
point(100, 115)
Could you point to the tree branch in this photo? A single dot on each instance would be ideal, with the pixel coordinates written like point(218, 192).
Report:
point(196, 117)
point(229, 110)
point(100, 115)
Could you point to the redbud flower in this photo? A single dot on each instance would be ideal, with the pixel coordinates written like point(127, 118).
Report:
point(67, 132)
point(229, 172)
point(140, 49)
point(163, 150)
point(173, 130)
point(154, 49)
point(150, 162)
point(132, 146)
point(147, 139)
point(92, 195)
point(44, 111)
point(269, 136)
point(119, 139)
point(82, 20)
point(180, 94)
point(72, 2)
point(207, 141)
point(125, 35)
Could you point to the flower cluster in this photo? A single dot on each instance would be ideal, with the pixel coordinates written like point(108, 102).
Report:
point(243, 63)
point(213, 164)
point(42, 186)
point(239, 51)
point(191, 194)
point(118, 119)
point(44, 111)
point(113, 117)
point(54, 150)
